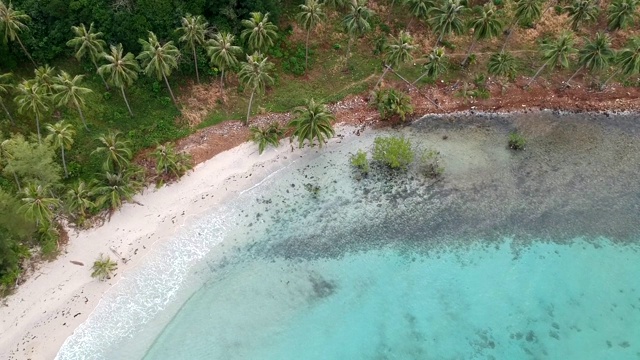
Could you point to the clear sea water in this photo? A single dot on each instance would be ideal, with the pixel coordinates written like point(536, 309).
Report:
point(532, 255)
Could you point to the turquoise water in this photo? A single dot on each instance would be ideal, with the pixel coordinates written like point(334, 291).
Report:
point(558, 302)
point(528, 255)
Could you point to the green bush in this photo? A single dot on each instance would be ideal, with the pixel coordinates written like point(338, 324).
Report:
point(393, 151)
point(429, 164)
point(392, 103)
point(359, 161)
point(517, 141)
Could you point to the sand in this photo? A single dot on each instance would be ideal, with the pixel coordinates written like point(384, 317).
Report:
point(60, 295)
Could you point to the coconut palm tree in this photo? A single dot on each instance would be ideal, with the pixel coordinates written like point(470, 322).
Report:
point(629, 58)
point(595, 55)
point(120, 70)
point(193, 30)
point(39, 204)
point(254, 73)
point(621, 13)
point(419, 9)
point(447, 19)
point(311, 14)
point(356, 22)
point(12, 22)
point(116, 188)
point(259, 32)
point(265, 136)
point(313, 122)
point(88, 42)
point(486, 26)
point(45, 79)
point(61, 136)
point(5, 88)
point(31, 99)
point(223, 53)
point(117, 152)
point(78, 199)
point(556, 53)
point(502, 64)
point(436, 64)
point(398, 52)
point(103, 267)
point(526, 12)
point(581, 11)
point(169, 161)
point(159, 59)
point(68, 90)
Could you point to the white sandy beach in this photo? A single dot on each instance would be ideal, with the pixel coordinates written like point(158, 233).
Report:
point(45, 310)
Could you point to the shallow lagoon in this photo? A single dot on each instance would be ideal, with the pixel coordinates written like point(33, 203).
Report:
point(512, 255)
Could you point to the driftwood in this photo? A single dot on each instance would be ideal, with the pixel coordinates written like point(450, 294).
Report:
point(76, 262)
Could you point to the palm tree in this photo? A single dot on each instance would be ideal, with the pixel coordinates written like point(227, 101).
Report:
point(38, 204)
point(311, 14)
point(159, 59)
point(31, 99)
point(527, 12)
point(502, 64)
point(118, 154)
point(621, 13)
point(436, 64)
point(486, 26)
point(5, 89)
point(254, 73)
point(223, 53)
point(61, 136)
point(88, 42)
point(12, 23)
point(556, 53)
point(193, 29)
point(269, 135)
point(313, 122)
point(168, 160)
point(103, 267)
point(356, 22)
point(78, 199)
point(68, 90)
point(628, 61)
point(116, 188)
point(581, 11)
point(121, 70)
point(595, 55)
point(45, 78)
point(398, 52)
point(419, 9)
point(447, 18)
point(259, 32)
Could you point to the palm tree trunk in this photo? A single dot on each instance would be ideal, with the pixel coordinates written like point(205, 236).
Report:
point(390, 10)
point(17, 181)
point(609, 78)
point(249, 109)
point(38, 127)
point(536, 75)
point(101, 77)
point(84, 122)
point(8, 113)
point(509, 32)
point(64, 162)
point(420, 77)
point(386, 69)
point(306, 51)
point(222, 79)
point(566, 84)
point(552, 4)
point(124, 96)
point(170, 91)
point(26, 52)
point(473, 43)
point(195, 62)
point(348, 51)
point(415, 87)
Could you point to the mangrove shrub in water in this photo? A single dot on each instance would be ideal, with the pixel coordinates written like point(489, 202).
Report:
point(393, 151)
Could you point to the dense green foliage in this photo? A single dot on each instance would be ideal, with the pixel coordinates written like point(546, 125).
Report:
point(359, 161)
point(517, 141)
point(393, 151)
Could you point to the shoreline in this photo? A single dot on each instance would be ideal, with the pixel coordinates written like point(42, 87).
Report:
point(45, 310)
point(59, 295)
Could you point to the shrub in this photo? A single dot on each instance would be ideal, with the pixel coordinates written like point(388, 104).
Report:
point(393, 151)
point(517, 141)
point(359, 161)
point(429, 164)
point(391, 103)
point(264, 137)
